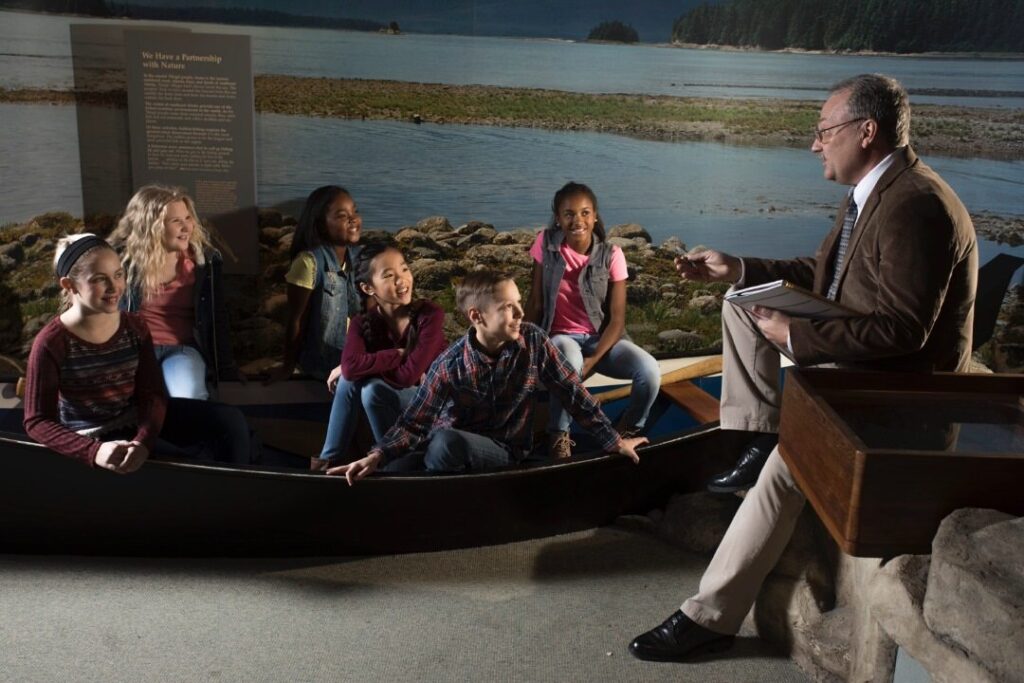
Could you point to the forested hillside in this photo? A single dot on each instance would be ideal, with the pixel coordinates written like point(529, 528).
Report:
point(880, 25)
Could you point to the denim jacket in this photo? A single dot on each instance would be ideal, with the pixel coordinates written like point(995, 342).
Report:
point(593, 281)
point(210, 321)
point(333, 300)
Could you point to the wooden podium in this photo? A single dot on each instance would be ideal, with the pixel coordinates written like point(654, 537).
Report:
point(883, 457)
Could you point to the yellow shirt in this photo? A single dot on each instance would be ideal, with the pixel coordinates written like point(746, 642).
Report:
point(302, 272)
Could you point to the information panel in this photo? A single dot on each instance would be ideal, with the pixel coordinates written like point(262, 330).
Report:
point(190, 121)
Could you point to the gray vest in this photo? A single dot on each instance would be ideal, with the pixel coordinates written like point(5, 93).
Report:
point(593, 281)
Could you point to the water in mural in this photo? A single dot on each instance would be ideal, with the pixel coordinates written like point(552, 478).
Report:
point(770, 201)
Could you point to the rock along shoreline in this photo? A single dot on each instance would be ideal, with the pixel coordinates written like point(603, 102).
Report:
point(667, 316)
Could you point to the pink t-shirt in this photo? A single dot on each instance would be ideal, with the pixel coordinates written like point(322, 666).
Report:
point(170, 315)
point(570, 314)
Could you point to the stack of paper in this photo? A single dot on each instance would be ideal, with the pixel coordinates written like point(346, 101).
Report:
point(790, 299)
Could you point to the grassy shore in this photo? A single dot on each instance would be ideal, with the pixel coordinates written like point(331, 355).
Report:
point(943, 130)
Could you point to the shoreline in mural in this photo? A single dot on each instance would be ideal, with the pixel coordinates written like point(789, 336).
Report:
point(958, 131)
point(899, 27)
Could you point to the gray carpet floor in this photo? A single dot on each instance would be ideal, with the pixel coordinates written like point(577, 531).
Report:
point(557, 609)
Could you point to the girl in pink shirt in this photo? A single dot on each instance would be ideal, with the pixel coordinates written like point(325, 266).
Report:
point(579, 298)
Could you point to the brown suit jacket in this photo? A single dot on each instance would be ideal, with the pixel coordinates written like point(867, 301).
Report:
point(911, 269)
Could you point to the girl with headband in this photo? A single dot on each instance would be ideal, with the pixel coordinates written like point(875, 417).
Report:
point(93, 386)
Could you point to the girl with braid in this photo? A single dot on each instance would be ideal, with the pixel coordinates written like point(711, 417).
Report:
point(389, 348)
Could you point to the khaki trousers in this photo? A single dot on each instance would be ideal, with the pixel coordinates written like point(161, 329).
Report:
point(750, 375)
point(762, 526)
point(750, 548)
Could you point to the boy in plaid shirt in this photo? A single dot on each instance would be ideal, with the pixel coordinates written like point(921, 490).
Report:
point(476, 404)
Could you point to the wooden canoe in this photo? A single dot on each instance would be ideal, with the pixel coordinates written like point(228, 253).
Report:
point(50, 504)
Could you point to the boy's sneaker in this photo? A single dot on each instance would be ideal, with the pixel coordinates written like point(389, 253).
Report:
point(560, 445)
point(628, 432)
point(318, 464)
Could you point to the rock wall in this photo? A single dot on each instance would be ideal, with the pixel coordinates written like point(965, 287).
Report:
point(666, 315)
point(959, 612)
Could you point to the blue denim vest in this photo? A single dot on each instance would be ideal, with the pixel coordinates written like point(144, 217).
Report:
point(593, 281)
point(333, 299)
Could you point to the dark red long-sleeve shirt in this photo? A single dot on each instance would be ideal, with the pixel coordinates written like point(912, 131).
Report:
point(75, 391)
point(380, 357)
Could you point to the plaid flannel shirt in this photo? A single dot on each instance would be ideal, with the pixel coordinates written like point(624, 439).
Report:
point(467, 389)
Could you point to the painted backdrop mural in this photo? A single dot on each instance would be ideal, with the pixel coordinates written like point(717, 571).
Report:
point(463, 120)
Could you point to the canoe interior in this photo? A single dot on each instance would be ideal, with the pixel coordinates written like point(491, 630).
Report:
point(50, 504)
point(53, 505)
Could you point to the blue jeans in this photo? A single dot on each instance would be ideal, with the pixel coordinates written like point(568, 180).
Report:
point(625, 360)
point(184, 371)
point(383, 405)
point(454, 450)
point(342, 422)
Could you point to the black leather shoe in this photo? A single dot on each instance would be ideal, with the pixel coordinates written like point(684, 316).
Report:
point(678, 639)
point(744, 474)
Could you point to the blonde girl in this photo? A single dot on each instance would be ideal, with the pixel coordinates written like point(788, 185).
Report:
point(174, 280)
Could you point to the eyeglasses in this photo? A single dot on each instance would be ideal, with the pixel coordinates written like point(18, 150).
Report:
point(819, 133)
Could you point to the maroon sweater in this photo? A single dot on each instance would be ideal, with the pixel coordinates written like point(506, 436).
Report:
point(380, 356)
point(75, 388)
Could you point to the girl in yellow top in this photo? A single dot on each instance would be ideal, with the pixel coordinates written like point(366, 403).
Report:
point(321, 293)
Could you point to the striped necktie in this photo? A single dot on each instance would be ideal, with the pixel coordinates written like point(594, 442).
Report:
point(849, 220)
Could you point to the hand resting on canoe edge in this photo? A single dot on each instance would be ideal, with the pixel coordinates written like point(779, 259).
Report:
point(354, 471)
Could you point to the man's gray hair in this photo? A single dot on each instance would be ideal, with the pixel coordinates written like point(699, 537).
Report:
point(878, 97)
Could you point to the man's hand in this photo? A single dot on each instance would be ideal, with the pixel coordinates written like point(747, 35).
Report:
point(708, 265)
point(354, 471)
point(627, 447)
point(774, 325)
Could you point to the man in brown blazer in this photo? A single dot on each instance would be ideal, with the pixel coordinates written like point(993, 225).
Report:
point(903, 253)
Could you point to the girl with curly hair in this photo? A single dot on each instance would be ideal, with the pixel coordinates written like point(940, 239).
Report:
point(174, 280)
